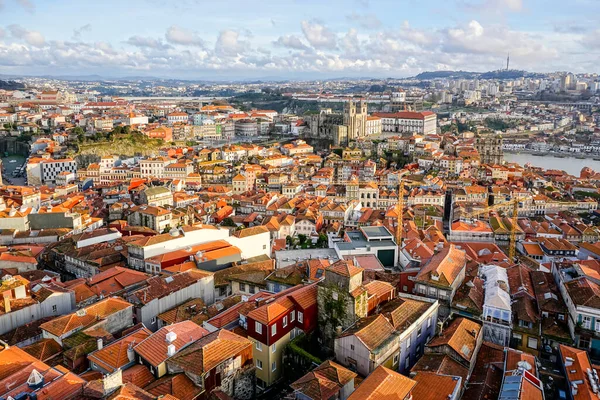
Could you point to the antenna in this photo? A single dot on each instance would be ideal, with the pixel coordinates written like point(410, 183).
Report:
point(507, 60)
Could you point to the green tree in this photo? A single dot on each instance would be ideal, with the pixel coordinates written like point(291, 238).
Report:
point(322, 241)
point(301, 239)
point(228, 222)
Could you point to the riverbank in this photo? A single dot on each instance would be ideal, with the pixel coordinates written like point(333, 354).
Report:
point(563, 154)
point(570, 165)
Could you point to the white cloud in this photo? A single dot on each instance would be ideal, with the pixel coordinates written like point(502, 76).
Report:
point(33, 38)
point(318, 35)
point(591, 40)
point(229, 43)
point(146, 42)
point(350, 42)
point(182, 36)
point(291, 42)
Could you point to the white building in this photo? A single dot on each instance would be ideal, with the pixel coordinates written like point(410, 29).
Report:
point(176, 117)
point(424, 122)
point(497, 313)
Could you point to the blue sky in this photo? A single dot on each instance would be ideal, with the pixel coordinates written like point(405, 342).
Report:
point(292, 39)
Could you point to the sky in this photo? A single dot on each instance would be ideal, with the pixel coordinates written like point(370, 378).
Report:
point(295, 39)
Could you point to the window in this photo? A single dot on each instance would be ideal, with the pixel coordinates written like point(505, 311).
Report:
point(407, 362)
point(532, 343)
point(408, 342)
point(587, 322)
point(252, 289)
point(153, 320)
point(292, 316)
point(285, 321)
point(264, 246)
point(273, 366)
point(273, 330)
point(584, 343)
point(242, 287)
point(419, 332)
point(54, 308)
point(561, 317)
point(597, 326)
point(429, 322)
point(258, 327)
point(418, 351)
point(396, 356)
point(300, 317)
point(259, 364)
point(351, 347)
point(274, 348)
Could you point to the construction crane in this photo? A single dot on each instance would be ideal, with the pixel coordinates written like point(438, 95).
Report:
point(399, 213)
point(514, 205)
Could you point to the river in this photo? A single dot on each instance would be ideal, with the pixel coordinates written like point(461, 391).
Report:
point(571, 165)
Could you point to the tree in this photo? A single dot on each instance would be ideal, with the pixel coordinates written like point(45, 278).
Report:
point(228, 222)
point(301, 239)
point(322, 241)
point(290, 241)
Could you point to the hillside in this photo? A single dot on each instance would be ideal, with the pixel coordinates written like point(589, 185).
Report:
point(121, 145)
point(11, 85)
point(499, 74)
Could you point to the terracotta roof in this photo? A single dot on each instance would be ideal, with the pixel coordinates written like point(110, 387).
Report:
point(441, 364)
point(159, 286)
point(444, 386)
point(445, 266)
point(139, 375)
point(404, 312)
point(323, 382)
point(114, 355)
point(44, 349)
point(154, 348)
point(209, 351)
point(577, 371)
point(372, 331)
point(131, 392)
point(379, 288)
point(461, 335)
point(179, 386)
point(85, 317)
point(345, 268)
point(382, 384)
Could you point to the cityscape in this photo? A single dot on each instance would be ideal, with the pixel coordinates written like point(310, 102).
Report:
point(317, 201)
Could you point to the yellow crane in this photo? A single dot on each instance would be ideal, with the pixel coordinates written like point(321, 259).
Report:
point(514, 205)
point(399, 213)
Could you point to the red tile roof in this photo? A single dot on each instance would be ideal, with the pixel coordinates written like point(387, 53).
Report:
point(383, 384)
point(154, 348)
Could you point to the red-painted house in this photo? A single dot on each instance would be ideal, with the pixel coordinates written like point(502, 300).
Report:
point(272, 325)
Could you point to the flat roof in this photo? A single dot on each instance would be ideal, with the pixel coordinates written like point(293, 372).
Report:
point(373, 232)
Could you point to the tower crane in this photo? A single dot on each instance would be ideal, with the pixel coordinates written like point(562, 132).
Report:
point(514, 205)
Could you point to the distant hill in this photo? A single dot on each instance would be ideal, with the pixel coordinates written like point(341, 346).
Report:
point(11, 85)
point(500, 74)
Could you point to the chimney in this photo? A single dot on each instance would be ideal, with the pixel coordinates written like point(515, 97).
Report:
point(100, 343)
point(171, 350)
point(6, 298)
point(130, 353)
